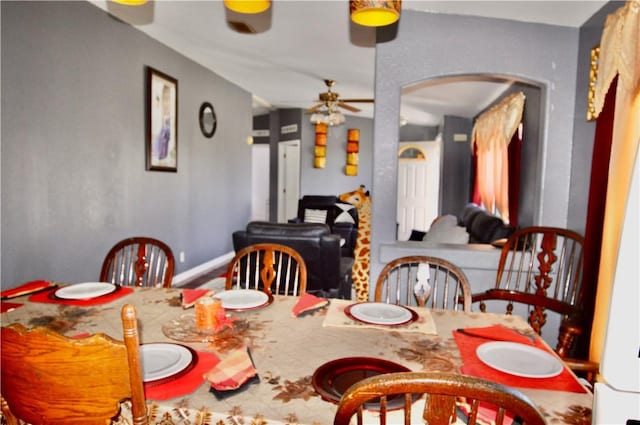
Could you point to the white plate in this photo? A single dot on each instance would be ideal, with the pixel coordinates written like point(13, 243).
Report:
point(163, 360)
point(242, 298)
point(83, 291)
point(519, 359)
point(381, 313)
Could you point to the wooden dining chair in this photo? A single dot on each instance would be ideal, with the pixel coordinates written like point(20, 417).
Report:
point(424, 281)
point(269, 267)
point(541, 267)
point(139, 261)
point(442, 394)
point(48, 378)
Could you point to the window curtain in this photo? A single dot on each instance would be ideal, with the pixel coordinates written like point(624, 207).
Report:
point(619, 56)
point(492, 134)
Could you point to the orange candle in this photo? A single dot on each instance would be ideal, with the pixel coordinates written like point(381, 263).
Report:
point(206, 311)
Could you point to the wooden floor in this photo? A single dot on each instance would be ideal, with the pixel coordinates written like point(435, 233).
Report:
point(204, 278)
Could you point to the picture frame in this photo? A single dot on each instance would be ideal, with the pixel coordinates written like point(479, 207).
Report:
point(162, 121)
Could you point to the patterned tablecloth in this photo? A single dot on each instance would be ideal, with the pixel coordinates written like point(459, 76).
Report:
point(286, 351)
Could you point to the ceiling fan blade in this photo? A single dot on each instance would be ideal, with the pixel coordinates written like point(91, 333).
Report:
point(314, 108)
point(348, 107)
point(358, 100)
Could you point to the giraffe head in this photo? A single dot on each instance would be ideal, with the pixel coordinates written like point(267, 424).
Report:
point(356, 197)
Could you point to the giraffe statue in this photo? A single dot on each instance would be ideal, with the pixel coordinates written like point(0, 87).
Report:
point(361, 200)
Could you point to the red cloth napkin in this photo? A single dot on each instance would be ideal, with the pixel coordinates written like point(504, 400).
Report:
point(5, 306)
point(191, 296)
point(26, 288)
point(184, 384)
point(307, 303)
point(233, 371)
point(473, 366)
point(49, 297)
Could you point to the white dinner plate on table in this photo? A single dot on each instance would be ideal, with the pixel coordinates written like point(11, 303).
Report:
point(83, 291)
point(380, 313)
point(519, 359)
point(160, 360)
point(243, 299)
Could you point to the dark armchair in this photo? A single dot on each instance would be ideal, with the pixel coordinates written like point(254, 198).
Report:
point(341, 218)
point(328, 273)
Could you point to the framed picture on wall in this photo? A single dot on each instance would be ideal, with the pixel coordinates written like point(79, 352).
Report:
point(162, 121)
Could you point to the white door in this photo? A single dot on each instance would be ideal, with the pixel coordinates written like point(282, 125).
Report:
point(418, 186)
point(260, 182)
point(288, 180)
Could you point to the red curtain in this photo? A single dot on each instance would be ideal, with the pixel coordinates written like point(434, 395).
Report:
point(595, 213)
point(515, 147)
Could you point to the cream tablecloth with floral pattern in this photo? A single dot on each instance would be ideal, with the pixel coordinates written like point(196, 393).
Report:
point(286, 351)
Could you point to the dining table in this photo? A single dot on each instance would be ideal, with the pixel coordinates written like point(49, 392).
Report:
point(288, 352)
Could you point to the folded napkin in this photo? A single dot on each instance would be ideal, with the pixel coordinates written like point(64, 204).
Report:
point(26, 288)
point(308, 303)
point(191, 296)
point(184, 384)
point(49, 297)
point(233, 373)
point(5, 306)
point(473, 366)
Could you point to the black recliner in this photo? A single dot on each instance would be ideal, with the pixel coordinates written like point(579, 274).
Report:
point(328, 273)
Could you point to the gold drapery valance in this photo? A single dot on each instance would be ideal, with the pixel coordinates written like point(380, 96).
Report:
point(619, 53)
point(496, 126)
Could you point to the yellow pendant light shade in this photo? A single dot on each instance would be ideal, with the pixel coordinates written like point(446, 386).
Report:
point(131, 2)
point(374, 13)
point(248, 6)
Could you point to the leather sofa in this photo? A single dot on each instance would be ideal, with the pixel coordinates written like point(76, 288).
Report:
point(482, 226)
point(328, 273)
point(340, 222)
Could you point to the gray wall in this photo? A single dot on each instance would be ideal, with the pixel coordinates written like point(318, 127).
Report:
point(425, 47)
point(332, 180)
point(73, 146)
point(455, 185)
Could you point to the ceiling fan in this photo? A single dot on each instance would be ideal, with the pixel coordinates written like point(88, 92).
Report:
point(330, 100)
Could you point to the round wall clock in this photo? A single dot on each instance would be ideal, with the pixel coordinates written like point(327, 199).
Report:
point(208, 120)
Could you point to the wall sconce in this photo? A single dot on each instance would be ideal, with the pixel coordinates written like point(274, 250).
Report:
point(353, 140)
point(320, 149)
point(247, 6)
point(375, 13)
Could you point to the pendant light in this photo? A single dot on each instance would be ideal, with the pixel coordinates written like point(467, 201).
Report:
point(130, 2)
point(375, 13)
point(248, 6)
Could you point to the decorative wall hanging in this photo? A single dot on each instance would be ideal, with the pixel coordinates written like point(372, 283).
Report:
point(208, 120)
point(353, 140)
point(162, 121)
point(320, 150)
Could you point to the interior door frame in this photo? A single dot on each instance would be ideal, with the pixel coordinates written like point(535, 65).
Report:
point(288, 179)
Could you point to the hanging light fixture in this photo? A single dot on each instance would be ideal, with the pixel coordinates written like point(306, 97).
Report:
point(248, 6)
point(131, 2)
point(330, 116)
point(375, 13)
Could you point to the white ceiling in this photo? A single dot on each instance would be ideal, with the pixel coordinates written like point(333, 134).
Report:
point(298, 44)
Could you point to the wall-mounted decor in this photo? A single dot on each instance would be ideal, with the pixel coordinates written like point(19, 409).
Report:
point(320, 149)
point(162, 121)
point(593, 77)
point(353, 140)
point(208, 120)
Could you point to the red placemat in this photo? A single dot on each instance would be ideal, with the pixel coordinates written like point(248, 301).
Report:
point(473, 366)
point(184, 384)
point(6, 306)
point(48, 297)
point(27, 288)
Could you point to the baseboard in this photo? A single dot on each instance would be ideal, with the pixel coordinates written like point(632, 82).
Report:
point(187, 275)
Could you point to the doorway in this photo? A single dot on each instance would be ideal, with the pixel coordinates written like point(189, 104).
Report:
point(260, 200)
point(418, 186)
point(288, 179)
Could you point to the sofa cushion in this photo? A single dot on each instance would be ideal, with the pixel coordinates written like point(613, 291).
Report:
point(445, 229)
point(315, 216)
point(482, 226)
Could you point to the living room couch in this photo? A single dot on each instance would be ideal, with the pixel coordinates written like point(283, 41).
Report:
point(328, 272)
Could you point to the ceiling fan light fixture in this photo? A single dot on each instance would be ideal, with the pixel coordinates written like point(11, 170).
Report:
point(375, 13)
point(248, 6)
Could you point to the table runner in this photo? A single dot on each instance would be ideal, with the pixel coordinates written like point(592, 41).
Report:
point(473, 366)
point(337, 317)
